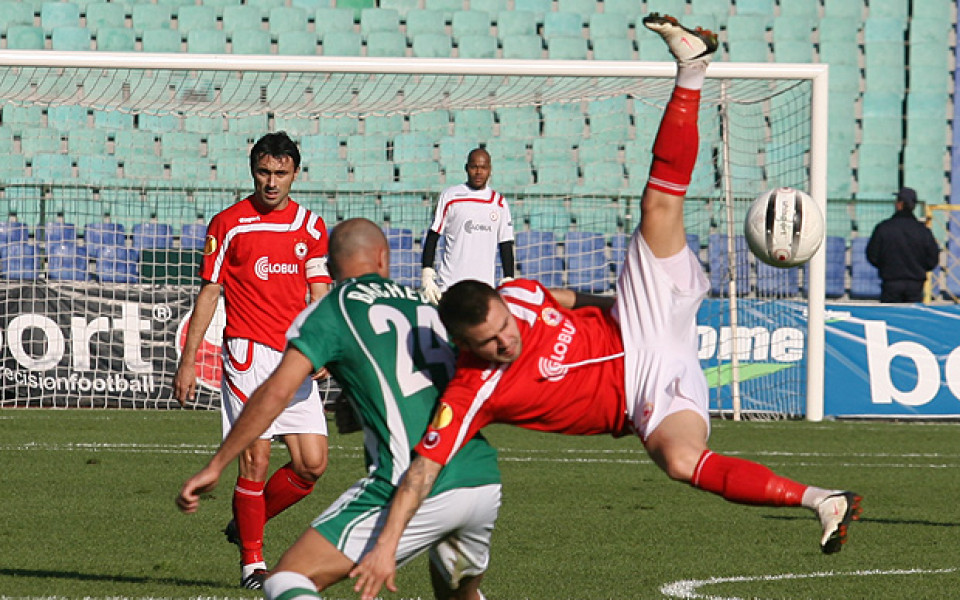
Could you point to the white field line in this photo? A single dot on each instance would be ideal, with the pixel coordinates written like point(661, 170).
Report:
point(632, 455)
point(689, 588)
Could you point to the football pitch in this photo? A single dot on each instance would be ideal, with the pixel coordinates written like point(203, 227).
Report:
point(88, 513)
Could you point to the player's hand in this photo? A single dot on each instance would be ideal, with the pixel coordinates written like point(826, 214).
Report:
point(185, 382)
point(429, 283)
point(321, 374)
point(377, 569)
point(188, 500)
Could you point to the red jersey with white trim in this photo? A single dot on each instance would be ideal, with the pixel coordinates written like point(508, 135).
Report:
point(568, 378)
point(473, 223)
point(264, 261)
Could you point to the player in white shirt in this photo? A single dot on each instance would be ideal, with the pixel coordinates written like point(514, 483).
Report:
point(475, 222)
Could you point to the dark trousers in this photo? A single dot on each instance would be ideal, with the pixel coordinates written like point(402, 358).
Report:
point(901, 290)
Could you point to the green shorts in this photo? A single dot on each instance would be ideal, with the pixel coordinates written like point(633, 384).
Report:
point(456, 526)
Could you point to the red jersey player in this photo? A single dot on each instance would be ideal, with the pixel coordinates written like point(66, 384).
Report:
point(265, 253)
point(622, 364)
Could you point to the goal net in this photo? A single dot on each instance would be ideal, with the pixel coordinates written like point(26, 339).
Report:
point(113, 164)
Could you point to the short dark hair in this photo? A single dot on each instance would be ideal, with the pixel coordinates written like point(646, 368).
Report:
point(465, 305)
point(276, 145)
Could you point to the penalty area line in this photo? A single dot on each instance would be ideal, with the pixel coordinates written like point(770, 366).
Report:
point(690, 588)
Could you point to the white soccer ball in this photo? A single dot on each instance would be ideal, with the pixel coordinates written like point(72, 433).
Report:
point(784, 227)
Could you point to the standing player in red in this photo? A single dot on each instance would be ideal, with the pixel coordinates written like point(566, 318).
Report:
point(613, 366)
point(266, 253)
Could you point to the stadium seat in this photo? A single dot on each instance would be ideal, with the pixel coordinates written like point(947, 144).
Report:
point(793, 52)
point(341, 43)
point(521, 122)
point(510, 174)
point(473, 124)
point(116, 264)
point(447, 6)
point(412, 147)
point(59, 14)
point(601, 177)
point(116, 39)
point(378, 19)
point(19, 261)
point(363, 149)
point(717, 261)
point(207, 41)
point(386, 43)
point(152, 235)
point(548, 214)
point(792, 29)
point(36, 140)
point(356, 6)
point(399, 238)
point(477, 46)
point(609, 26)
point(52, 167)
point(836, 258)
point(470, 22)
point(560, 24)
point(525, 47)
point(419, 21)
point(12, 232)
point(846, 9)
point(515, 23)
point(453, 154)
point(404, 211)
point(742, 27)
point(97, 169)
point(613, 49)
point(192, 17)
point(432, 45)
point(59, 231)
point(582, 8)
point(536, 253)
point(333, 19)
point(586, 261)
point(144, 17)
point(567, 48)
point(755, 7)
point(284, 19)
point(241, 18)
point(103, 14)
point(551, 150)
point(838, 29)
point(405, 266)
point(418, 176)
point(809, 9)
point(66, 261)
point(755, 51)
point(403, 7)
point(14, 13)
point(777, 282)
point(864, 280)
point(563, 121)
point(25, 37)
point(888, 9)
point(718, 9)
point(161, 40)
point(192, 236)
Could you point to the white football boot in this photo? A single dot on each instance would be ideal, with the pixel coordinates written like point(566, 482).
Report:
point(686, 45)
point(836, 511)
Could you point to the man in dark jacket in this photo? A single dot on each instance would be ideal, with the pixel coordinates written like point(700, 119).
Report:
point(903, 250)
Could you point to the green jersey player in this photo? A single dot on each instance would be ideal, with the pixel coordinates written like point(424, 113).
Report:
point(386, 345)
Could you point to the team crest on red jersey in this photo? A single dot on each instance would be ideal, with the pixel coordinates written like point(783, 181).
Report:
point(209, 245)
point(551, 316)
point(442, 417)
point(300, 250)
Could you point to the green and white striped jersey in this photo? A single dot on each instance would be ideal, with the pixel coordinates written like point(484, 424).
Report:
point(387, 347)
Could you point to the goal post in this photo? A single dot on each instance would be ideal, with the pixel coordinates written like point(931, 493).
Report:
point(380, 137)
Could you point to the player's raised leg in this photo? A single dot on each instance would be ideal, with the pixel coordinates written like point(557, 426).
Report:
point(676, 434)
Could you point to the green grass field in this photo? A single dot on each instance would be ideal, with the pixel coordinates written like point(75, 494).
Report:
point(88, 512)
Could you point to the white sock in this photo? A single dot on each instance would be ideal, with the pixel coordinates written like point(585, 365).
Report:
point(289, 581)
point(813, 496)
point(691, 75)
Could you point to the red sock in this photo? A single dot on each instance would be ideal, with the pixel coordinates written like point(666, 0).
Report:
point(284, 489)
point(678, 140)
point(249, 513)
point(745, 482)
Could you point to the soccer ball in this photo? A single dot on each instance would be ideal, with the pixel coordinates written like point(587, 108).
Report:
point(784, 227)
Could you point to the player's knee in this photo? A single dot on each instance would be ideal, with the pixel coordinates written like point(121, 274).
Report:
point(312, 468)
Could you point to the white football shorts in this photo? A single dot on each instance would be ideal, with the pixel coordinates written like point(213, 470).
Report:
point(656, 306)
point(247, 364)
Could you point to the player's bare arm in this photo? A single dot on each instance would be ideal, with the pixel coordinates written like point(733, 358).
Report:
point(185, 380)
point(571, 299)
point(318, 291)
point(379, 566)
point(263, 407)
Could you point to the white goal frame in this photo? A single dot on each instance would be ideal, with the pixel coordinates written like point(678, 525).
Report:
point(817, 74)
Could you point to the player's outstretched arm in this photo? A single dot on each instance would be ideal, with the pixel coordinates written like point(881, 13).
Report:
point(571, 299)
point(185, 380)
point(263, 407)
point(379, 566)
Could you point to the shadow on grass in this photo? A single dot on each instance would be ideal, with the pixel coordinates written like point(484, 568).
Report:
point(78, 576)
point(922, 522)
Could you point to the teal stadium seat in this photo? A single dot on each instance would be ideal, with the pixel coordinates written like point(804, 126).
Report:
point(558, 24)
point(609, 26)
point(471, 22)
point(87, 141)
point(180, 143)
point(601, 177)
point(563, 121)
point(241, 18)
point(103, 14)
point(25, 37)
point(755, 51)
point(929, 31)
point(514, 23)
point(265, 6)
point(477, 46)
point(207, 41)
point(116, 39)
point(792, 29)
point(98, 169)
point(793, 52)
point(884, 29)
point(419, 176)
point(52, 167)
point(453, 152)
point(613, 49)
point(520, 122)
point(844, 9)
point(219, 5)
point(491, 7)
point(567, 48)
point(378, 19)
point(39, 140)
point(749, 27)
point(933, 9)
point(67, 117)
point(12, 166)
point(232, 170)
point(538, 7)
point(284, 19)
point(630, 9)
point(59, 14)
point(839, 53)
point(161, 40)
point(251, 125)
point(134, 142)
point(158, 123)
point(473, 124)
point(434, 122)
point(718, 9)
point(320, 148)
point(511, 174)
point(328, 19)
point(896, 9)
point(13, 13)
point(549, 149)
point(807, 9)
point(528, 47)
point(257, 42)
point(143, 167)
point(755, 7)
point(386, 43)
point(189, 170)
point(412, 147)
point(192, 17)
point(447, 6)
point(652, 48)
point(388, 125)
point(357, 6)
point(365, 149)
point(432, 45)
point(227, 144)
point(597, 150)
point(145, 17)
point(341, 43)
point(403, 7)
point(419, 21)
point(584, 8)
